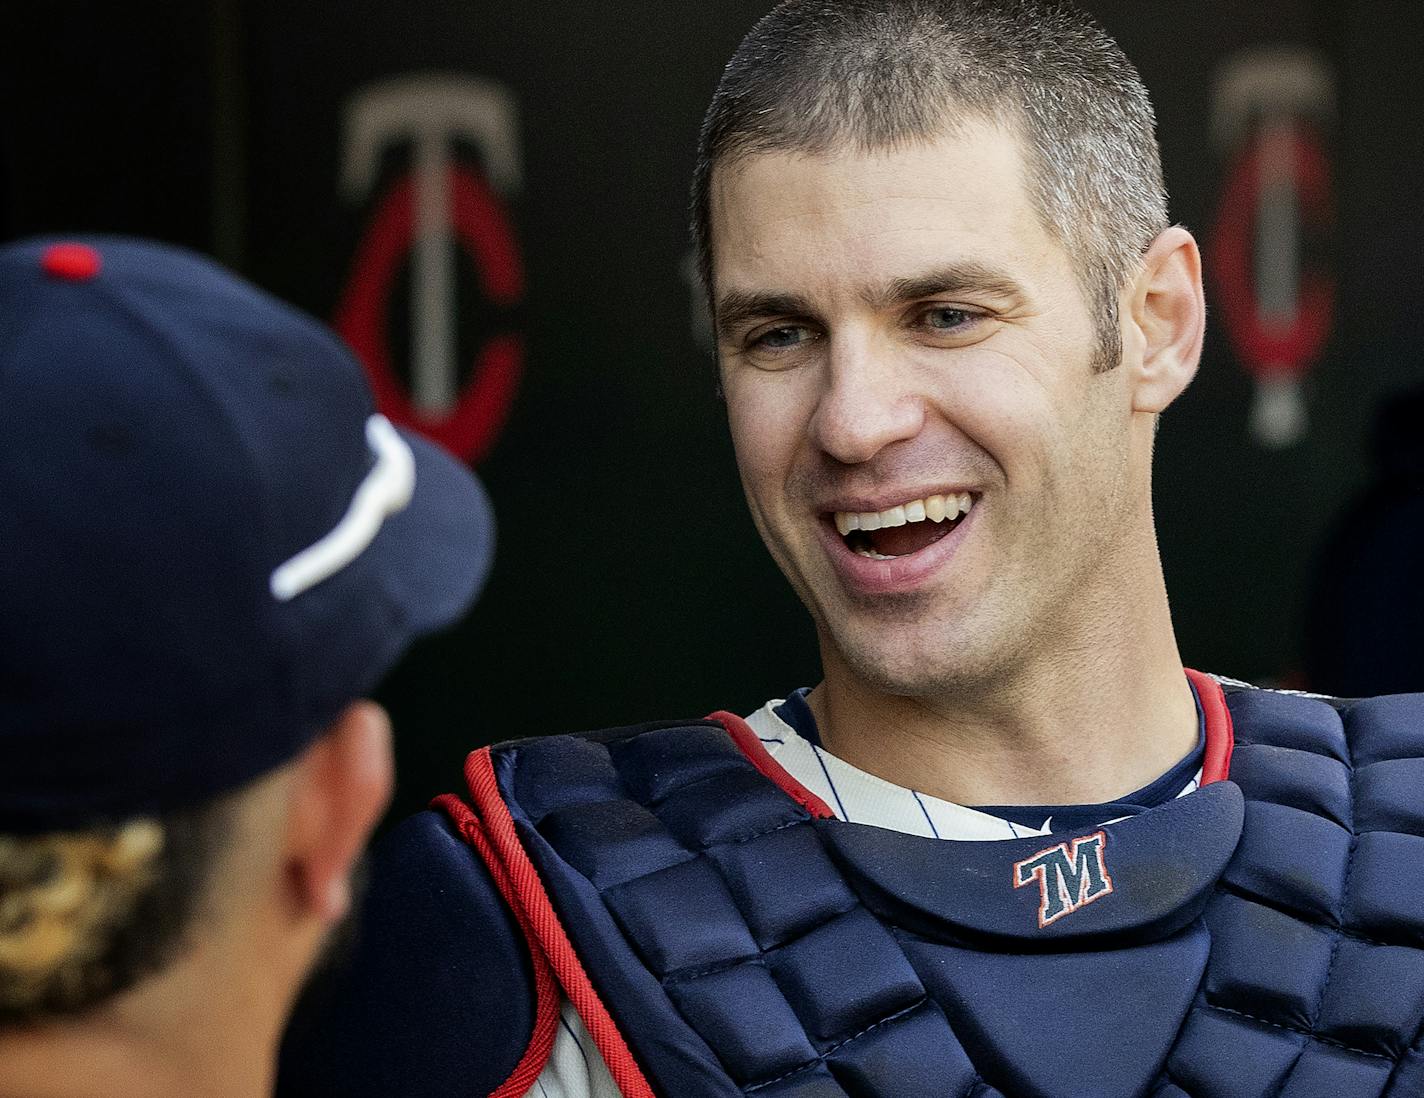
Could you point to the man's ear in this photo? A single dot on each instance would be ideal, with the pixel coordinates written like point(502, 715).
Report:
point(342, 784)
point(1168, 308)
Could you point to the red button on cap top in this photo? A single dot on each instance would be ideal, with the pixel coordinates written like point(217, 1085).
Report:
point(71, 262)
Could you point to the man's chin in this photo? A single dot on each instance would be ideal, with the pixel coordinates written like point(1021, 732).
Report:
point(933, 660)
point(910, 672)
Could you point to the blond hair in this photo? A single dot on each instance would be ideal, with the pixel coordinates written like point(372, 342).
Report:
point(86, 914)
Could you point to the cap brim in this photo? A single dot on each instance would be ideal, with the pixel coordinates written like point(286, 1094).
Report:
point(436, 553)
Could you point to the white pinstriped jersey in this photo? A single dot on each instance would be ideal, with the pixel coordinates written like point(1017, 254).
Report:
point(576, 1069)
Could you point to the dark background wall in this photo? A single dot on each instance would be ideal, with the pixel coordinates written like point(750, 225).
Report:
point(629, 582)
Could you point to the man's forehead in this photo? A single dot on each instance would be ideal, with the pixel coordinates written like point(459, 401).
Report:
point(962, 138)
point(846, 215)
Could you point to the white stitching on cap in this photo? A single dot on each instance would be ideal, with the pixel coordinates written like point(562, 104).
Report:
point(386, 489)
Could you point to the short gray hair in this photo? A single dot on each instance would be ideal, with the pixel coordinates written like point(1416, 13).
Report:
point(875, 74)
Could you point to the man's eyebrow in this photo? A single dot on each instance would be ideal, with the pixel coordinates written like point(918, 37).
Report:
point(736, 309)
point(956, 278)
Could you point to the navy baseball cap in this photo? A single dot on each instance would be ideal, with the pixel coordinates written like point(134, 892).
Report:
point(210, 542)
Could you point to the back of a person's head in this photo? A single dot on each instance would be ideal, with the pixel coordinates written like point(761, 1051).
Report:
point(215, 548)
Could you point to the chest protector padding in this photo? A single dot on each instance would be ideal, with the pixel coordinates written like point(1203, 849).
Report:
point(1261, 938)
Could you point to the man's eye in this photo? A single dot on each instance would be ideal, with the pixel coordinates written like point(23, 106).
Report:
point(945, 318)
point(779, 339)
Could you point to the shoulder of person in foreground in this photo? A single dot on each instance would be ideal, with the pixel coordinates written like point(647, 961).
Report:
point(432, 993)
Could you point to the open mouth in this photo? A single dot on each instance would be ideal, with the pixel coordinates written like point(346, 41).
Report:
point(903, 529)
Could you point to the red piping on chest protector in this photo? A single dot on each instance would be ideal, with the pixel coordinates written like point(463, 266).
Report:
point(757, 754)
point(1220, 738)
point(546, 993)
point(530, 897)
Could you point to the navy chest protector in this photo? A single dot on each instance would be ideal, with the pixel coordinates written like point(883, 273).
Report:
point(1263, 936)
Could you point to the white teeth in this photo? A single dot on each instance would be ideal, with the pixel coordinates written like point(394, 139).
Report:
point(871, 554)
point(933, 508)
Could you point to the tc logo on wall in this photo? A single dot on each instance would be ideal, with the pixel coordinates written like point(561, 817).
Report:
point(438, 262)
point(1270, 246)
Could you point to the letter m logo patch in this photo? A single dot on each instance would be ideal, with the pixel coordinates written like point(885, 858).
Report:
point(1070, 876)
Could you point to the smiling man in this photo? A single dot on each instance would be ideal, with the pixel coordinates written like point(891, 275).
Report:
point(949, 459)
point(1008, 846)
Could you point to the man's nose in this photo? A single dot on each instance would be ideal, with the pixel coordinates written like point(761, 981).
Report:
point(868, 401)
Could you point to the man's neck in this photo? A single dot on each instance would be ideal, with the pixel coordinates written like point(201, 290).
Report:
point(186, 1032)
point(60, 1062)
point(1081, 724)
